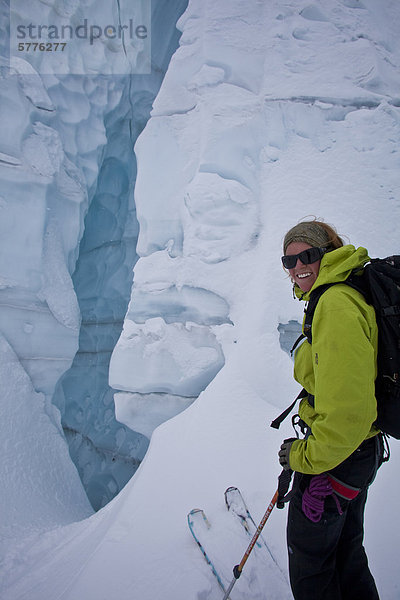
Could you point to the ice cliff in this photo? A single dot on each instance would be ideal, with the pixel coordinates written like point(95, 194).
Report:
point(68, 237)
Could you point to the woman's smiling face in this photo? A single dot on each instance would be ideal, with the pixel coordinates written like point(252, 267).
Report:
point(303, 275)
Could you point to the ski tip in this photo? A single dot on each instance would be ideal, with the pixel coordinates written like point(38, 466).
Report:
point(230, 490)
point(193, 513)
point(196, 513)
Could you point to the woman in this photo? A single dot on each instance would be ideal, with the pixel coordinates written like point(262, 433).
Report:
point(338, 458)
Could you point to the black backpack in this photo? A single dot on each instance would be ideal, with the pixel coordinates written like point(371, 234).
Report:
point(379, 282)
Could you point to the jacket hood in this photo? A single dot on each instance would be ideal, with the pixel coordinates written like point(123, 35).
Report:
point(336, 266)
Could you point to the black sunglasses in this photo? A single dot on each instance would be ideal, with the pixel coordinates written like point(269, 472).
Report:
point(311, 255)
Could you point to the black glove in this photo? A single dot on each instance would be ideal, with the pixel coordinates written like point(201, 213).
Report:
point(284, 453)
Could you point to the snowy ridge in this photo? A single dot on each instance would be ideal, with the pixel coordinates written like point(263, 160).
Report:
point(269, 112)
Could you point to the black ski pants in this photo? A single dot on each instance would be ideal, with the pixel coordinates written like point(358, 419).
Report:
point(327, 560)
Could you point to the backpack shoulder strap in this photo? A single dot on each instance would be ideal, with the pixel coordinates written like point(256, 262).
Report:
point(311, 306)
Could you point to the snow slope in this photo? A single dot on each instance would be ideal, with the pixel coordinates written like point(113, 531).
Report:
point(269, 112)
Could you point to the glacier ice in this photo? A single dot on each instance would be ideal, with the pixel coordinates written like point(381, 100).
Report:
point(108, 452)
point(82, 38)
point(177, 304)
point(144, 412)
point(68, 221)
point(174, 358)
point(288, 334)
point(220, 216)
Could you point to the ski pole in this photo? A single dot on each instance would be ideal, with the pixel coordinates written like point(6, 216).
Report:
point(237, 570)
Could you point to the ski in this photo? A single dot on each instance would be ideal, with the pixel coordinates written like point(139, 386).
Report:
point(235, 504)
point(199, 527)
point(208, 539)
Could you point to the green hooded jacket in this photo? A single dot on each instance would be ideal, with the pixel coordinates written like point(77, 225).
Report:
point(339, 368)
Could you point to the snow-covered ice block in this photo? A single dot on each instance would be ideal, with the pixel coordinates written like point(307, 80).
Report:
point(31, 84)
point(160, 218)
point(143, 413)
point(220, 220)
point(158, 357)
point(177, 304)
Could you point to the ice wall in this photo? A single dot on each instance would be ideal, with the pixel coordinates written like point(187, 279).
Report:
point(43, 197)
point(68, 235)
point(105, 451)
point(245, 126)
